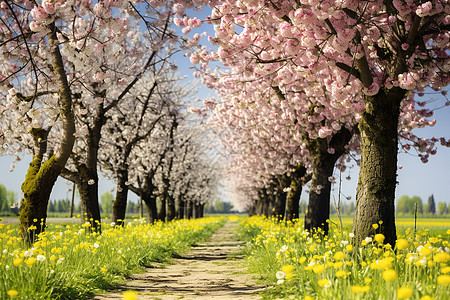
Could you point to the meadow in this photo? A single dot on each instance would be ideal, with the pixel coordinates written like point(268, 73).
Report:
point(69, 263)
point(296, 265)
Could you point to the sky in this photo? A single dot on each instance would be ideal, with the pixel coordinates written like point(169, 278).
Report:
point(414, 178)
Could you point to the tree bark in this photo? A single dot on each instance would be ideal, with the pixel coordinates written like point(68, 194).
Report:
point(189, 210)
point(293, 195)
point(378, 172)
point(162, 213)
point(41, 176)
point(322, 168)
point(120, 203)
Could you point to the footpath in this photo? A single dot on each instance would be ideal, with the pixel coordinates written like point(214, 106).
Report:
point(212, 270)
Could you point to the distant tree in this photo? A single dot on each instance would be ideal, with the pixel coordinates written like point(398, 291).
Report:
point(431, 205)
point(303, 206)
point(3, 198)
point(412, 204)
point(402, 205)
point(442, 208)
point(107, 202)
point(350, 209)
point(12, 198)
point(51, 206)
point(219, 206)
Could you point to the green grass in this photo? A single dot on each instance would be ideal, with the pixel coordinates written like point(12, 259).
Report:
point(68, 263)
point(296, 265)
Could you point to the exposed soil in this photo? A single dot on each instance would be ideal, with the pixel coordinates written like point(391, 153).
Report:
point(212, 270)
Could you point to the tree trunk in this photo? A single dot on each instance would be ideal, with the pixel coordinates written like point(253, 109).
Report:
point(378, 172)
point(162, 209)
point(90, 210)
point(120, 203)
point(41, 176)
point(322, 168)
point(293, 195)
point(189, 210)
point(319, 195)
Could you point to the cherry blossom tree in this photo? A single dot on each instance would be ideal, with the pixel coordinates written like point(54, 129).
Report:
point(379, 53)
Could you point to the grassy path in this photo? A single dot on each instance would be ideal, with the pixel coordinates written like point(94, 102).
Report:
point(212, 270)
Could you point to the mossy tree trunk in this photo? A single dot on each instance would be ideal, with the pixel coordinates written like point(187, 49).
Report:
point(378, 172)
point(41, 176)
point(293, 195)
point(322, 168)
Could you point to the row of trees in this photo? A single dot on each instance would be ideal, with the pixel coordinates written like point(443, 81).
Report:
point(87, 86)
point(307, 87)
point(311, 86)
point(407, 206)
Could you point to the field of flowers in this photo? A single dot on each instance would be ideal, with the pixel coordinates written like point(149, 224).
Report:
point(69, 263)
point(298, 266)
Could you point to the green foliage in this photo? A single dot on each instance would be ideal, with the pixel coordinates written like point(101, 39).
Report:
point(107, 200)
point(442, 208)
point(218, 206)
point(407, 205)
point(431, 205)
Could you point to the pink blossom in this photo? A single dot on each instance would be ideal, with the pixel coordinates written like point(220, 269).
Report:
point(372, 90)
point(194, 59)
point(178, 8)
point(38, 13)
point(424, 9)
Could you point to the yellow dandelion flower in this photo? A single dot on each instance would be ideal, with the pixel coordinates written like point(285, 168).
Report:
point(375, 226)
point(404, 292)
point(445, 270)
point(367, 280)
point(443, 279)
point(389, 275)
point(308, 298)
point(287, 268)
point(356, 289)
point(12, 293)
point(402, 244)
point(129, 295)
point(441, 257)
point(339, 255)
point(341, 273)
point(30, 261)
point(318, 269)
point(348, 248)
point(324, 282)
point(426, 298)
point(379, 238)
point(17, 261)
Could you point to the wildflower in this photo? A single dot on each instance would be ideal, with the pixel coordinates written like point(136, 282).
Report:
point(341, 273)
point(441, 257)
point(360, 289)
point(367, 280)
point(348, 248)
point(404, 292)
point(445, 270)
point(280, 275)
point(129, 295)
point(287, 268)
point(12, 293)
point(96, 245)
point(379, 238)
point(339, 255)
point(426, 298)
point(402, 244)
point(318, 269)
point(375, 226)
point(324, 282)
point(443, 279)
point(28, 253)
point(389, 275)
point(368, 239)
point(40, 258)
point(30, 261)
point(17, 261)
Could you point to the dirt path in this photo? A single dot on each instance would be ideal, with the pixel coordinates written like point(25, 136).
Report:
point(212, 270)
